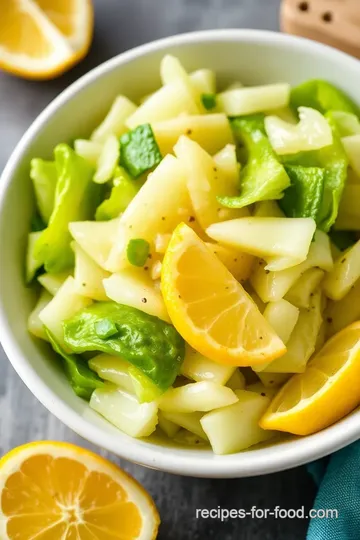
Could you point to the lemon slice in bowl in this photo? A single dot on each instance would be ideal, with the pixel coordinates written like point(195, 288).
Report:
point(54, 490)
point(326, 391)
point(210, 309)
point(40, 39)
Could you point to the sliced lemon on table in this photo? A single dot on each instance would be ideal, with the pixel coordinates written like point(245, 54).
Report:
point(328, 389)
point(52, 490)
point(210, 309)
point(40, 39)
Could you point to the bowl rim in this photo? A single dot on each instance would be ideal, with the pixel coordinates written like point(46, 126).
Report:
point(287, 454)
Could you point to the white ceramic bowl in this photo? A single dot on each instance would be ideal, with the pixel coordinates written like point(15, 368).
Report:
point(248, 55)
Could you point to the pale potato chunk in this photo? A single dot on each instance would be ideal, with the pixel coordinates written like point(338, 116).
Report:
point(124, 411)
point(199, 396)
point(282, 317)
point(226, 162)
point(89, 150)
point(133, 287)
point(272, 286)
point(64, 305)
point(302, 342)
point(108, 160)
point(156, 209)
point(237, 380)
point(340, 314)
point(199, 368)
point(352, 148)
point(169, 428)
point(35, 325)
point(114, 122)
point(53, 282)
point(204, 183)
point(204, 80)
point(96, 238)
point(311, 133)
point(250, 100)
point(113, 369)
point(267, 209)
point(88, 275)
point(260, 388)
point(273, 380)
point(267, 237)
point(32, 264)
point(301, 292)
point(344, 275)
point(171, 71)
point(239, 264)
point(189, 421)
point(211, 131)
point(168, 102)
point(348, 218)
point(236, 427)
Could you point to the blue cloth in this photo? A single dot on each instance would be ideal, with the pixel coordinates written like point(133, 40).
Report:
point(338, 478)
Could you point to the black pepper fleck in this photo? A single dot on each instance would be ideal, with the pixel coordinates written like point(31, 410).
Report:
point(342, 261)
point(329, 320)
point(144, 300)
point(191, 219)
point(267, 271)
point(163, 218)
point(188, 131)
point(263, 394)
point(146, 268)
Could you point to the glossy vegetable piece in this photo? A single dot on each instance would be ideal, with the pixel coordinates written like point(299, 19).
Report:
point(89, 150)
point(344, 275)
point(323, 96)
point(44, 177)
point(133, 287)
point(205, 183)
point(263, 177)
point(35, 325)
point(113, 369)
point(352, 148)
point(108, 160)
point(124, 411)
point(65, 304)
point(156, 209)
point(348, 218)
point(267, 237)
point(114, 122)
point(172, 71)
point(235, 428)
point(167, 426)
point(95, 238)
point(122, 193)
point(32, 262)
point(304, 197)
point(250, 100)
point(310, 133)
point(199, 368)
point(138, 251)
point(282, 316)
point(53, 282)
point(199, 396)
point(82, 379)
point(76, 198)
point(301, 292)
point(335, 163)
point(343, 312)
point(88, 275)
point(188, 421)
point(139, 150)
point(211, 131)
point(346, 123)
point(152, 345)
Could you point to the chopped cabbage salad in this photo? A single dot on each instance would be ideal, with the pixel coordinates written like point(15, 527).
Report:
point(196, 251)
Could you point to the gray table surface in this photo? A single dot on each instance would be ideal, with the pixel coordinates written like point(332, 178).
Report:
point(120, 25)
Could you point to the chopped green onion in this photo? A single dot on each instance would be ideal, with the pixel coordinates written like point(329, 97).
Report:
point(138, 251)
point(209, 101)
point(105, 328)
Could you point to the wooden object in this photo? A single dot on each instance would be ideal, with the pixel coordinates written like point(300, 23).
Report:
point(334, 22)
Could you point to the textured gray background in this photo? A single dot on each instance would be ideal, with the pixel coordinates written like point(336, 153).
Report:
point(120, 25)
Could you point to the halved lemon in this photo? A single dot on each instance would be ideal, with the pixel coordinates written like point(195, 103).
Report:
point(40, 39)
point(52, 490)
point(210, 309)
point(328, 389)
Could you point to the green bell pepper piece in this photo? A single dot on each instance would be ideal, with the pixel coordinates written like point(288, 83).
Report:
point(150, 344)
point(264, 177)
point(304, 197)
point(322, 96)
point(122, 193)
point(82, 379)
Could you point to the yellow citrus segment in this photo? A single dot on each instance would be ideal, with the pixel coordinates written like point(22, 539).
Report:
point(55, 490)
point(210, 309)
point(327, 390)
point(41, 39)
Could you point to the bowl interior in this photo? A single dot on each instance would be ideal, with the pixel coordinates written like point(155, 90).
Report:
point(249, 56)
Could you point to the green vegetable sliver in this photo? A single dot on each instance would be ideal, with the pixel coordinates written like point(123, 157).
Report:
point(138, 251)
